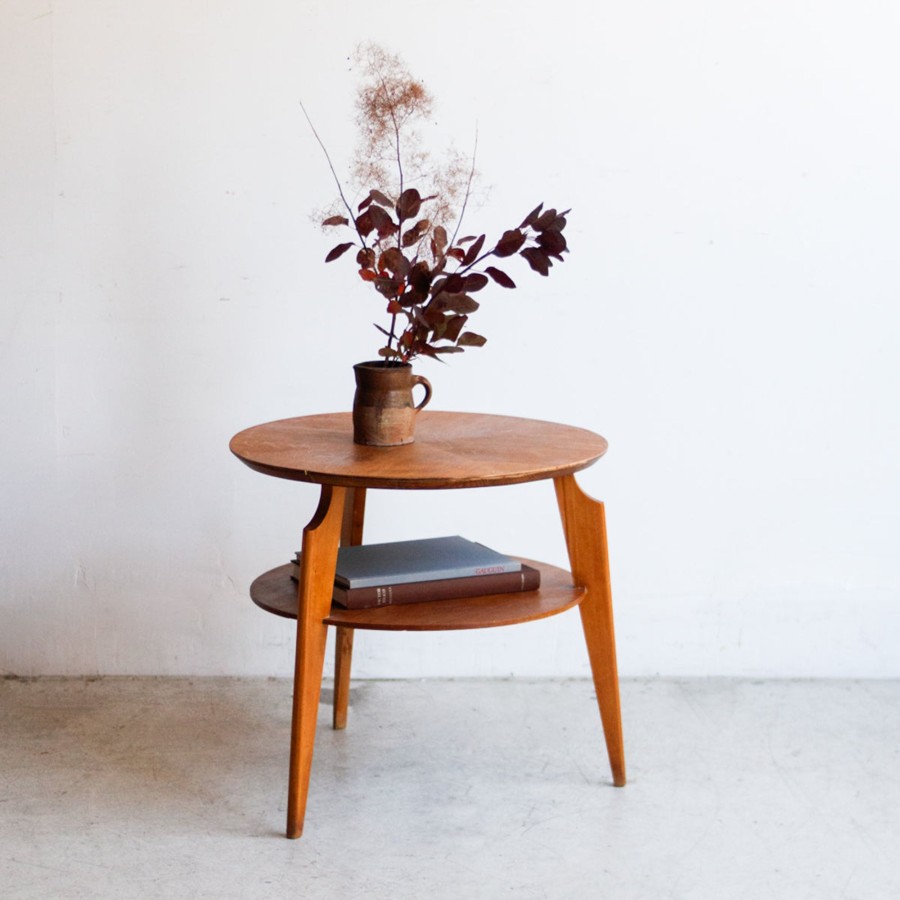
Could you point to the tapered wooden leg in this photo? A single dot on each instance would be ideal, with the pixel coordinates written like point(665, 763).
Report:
point(584, 524)
point(351, 535)
point(343, 656)
point(317, 563)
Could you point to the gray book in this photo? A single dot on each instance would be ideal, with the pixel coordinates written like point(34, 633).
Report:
point(427, 559)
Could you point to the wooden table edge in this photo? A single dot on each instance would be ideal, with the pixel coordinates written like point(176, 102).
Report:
point(275, 592)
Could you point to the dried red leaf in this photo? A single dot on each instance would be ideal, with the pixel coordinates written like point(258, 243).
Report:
point(500, 277)
point(432, 316)
point(394, 307)
point(452, 284)
point(420, 277)
point(454, 349)
point(414, 234)
point(412, 298)
point(392, 260)
point(367, 275)
point(439, 236)
point(509, 243)
point(475, 282)
point(381, 221)
point(532, 216)
point(388, 287)
point(456, 303)
point(544, 220)
point(364, 224)
point(457, 253)
point(470, 339)
point(557, 224)
point(473, 251)
point(454, 327)
point(537, 259)
point(439, 329)
point(408, 204)
point(383, 199)
point(552, 242)
point(336, 220)
point(340, 250)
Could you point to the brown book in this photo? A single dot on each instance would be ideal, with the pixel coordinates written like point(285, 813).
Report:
point(528, 579)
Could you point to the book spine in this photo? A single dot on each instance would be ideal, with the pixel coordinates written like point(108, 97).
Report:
point(504, 568)
point(527, 579)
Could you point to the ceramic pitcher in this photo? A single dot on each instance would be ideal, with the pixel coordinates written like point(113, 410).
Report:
point(384, 413)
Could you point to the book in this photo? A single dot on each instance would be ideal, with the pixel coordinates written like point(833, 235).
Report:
point(426, 559)
point(526, 579)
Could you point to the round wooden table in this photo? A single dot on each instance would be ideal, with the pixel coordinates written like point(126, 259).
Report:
point(451, 450)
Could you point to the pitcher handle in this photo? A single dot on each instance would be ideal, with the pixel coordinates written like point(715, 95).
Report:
point(421, 379)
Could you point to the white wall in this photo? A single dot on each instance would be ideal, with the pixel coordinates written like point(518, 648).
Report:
point(727, 318)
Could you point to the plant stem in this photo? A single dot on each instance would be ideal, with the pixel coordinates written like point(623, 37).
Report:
point(337, 180)
point(392, 336)
point(462, 211)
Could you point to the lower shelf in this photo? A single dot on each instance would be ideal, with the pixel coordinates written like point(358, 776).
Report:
point(276, 592)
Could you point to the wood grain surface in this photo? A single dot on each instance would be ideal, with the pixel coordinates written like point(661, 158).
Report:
point(451, 450)
point(275, 592)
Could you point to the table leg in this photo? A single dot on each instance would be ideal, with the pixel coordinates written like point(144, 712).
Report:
point(318, 560)
point(343, 657)
point(351, 535)
point(584, 524)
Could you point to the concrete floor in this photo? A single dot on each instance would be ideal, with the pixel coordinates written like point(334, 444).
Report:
point(141, 787)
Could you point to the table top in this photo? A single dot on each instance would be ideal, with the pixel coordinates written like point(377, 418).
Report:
point(451, 450)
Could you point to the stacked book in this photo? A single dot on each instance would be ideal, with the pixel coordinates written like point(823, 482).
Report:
point(441, 568)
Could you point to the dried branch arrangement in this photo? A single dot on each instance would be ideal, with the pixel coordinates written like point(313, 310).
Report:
point(426, 274)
